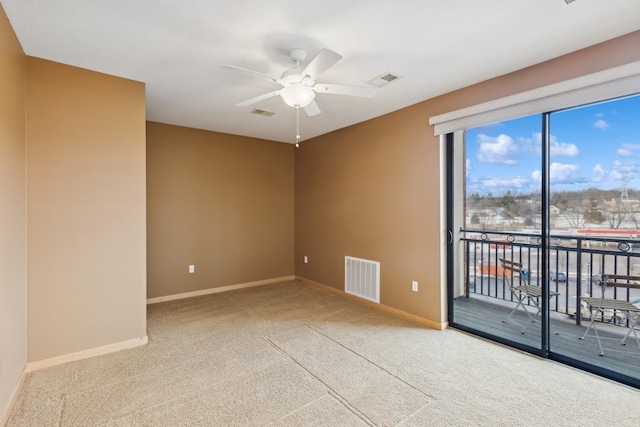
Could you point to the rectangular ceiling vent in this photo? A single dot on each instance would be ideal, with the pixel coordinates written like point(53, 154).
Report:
point(568, 2)
point(262, 112)
point(383, 79)
point(362, 278)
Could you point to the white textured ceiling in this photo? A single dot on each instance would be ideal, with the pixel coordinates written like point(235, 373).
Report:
point(177, 47)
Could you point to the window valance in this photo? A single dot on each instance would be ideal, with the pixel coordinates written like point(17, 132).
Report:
point(612, 83)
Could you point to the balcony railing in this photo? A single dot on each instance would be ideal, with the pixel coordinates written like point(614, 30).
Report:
point(576, 265)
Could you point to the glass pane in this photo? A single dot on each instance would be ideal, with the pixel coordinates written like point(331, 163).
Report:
point(500, 254)
point(595, 221)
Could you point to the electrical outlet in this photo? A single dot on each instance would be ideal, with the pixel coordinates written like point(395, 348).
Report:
point(414, 286)
point(306, 259)
point(192, 268)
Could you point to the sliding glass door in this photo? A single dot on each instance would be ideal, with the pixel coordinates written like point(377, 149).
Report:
point(595, 204)
point(541, 208)
point(500, 231)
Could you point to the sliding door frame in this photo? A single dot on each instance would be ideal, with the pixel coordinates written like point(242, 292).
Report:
point(544, 242)
point(453, 232)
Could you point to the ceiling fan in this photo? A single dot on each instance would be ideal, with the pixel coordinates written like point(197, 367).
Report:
point(299, 85)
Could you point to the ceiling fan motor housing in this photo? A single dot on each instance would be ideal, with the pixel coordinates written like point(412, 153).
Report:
point(297, 55)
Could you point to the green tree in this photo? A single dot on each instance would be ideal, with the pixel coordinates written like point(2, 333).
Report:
point(507, 201)
point(594, 217)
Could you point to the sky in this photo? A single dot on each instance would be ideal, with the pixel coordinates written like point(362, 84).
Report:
point(593, 146)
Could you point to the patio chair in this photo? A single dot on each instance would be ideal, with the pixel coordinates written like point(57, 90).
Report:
point(606, 306)
point(522, 290)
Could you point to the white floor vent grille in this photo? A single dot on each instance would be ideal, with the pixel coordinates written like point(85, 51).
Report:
point(362, 278)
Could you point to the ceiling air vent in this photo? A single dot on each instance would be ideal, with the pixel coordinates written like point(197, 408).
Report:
point(262, 112)
point(568, 2)
point(383, 79)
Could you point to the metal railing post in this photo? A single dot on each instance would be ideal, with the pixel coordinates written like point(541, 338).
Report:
point(468, 268)
point(578, 280)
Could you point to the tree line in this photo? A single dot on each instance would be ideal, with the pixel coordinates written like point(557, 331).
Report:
point(613, 209)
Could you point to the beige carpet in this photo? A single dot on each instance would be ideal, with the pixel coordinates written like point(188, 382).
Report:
point(292, 355)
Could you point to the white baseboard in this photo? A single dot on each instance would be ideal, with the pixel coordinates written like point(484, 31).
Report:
point(12, 401)
point(426, 322)
point(85, 354)
point(217, 290)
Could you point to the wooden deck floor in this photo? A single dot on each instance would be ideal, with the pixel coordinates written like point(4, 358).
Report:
point(486, 315)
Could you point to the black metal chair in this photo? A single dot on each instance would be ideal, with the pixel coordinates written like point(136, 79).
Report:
point(522, 290)
point(604, 305)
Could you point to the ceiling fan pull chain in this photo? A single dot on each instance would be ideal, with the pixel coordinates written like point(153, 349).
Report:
point(297, 127)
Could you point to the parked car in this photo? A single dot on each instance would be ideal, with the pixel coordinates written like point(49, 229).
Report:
point(558, 276)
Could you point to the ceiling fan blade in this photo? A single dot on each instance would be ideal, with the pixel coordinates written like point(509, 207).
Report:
point(255, 73)
point(366, 92)
point(258, 99)
point(321, 63)
point(312, 109)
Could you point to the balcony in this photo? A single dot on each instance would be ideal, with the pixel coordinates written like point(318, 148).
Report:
point(576, 265)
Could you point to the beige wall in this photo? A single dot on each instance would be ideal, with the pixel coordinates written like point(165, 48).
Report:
point(220, 202)
point(13, 232)
point(372, 190)
point(85, 209)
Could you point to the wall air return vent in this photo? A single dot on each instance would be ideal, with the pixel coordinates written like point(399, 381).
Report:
point(362, 278)
point(262, 112)
point(383, 79)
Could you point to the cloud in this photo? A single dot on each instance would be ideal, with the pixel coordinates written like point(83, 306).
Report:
point(559, 173)
point(506, 182)
point(499, 185)
point(628, 150)
point(556, 148)
point(499, 150)
point(624, 152)
point(598, 172)
point(601, 124)
point(615, 176)
point(621, 171)
point(467, 167)
point(627, 168)
point(562, 149)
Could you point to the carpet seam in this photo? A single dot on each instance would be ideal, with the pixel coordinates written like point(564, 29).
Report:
point(146, 408)
point(344, 402)
point(372, 362)
point(298, 409)
point(413, 414)
point(330, 390)
point(62, 409)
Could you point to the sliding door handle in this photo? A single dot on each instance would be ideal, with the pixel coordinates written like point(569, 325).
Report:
point(450, 236)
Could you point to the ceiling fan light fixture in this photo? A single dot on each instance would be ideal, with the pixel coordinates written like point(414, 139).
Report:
point(297, 96)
